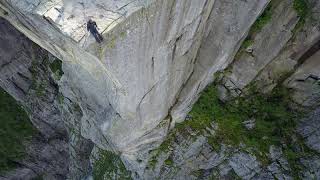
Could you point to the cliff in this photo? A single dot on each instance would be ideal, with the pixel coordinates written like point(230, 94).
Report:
point(127, 94)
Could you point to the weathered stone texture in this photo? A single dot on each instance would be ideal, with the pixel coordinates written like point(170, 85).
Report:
point(21, 73)
point(126, 93)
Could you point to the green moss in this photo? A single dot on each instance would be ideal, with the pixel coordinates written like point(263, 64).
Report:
point(110, 166)
point(263, 19)
point(295, 151)
point(168, 162)
point(197, 173)
point(112, 43)
point(152, 163)
point(233, 175)
point(247, 43)
point(123, 34)
point(38, 85)
point(60, 98)
point(261, 22)
point(275, 124)
point(301, 6)
point(40, 89)
point(275, 121)
point(56, 68)
point(164, 147)
point(302, 9)
point(15, 129)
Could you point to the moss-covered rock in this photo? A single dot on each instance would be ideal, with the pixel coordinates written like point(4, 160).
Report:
point(15, 131)
point(109, 166)
point(275, 125)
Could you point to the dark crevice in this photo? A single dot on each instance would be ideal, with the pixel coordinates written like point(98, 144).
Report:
point(24, 77)
point(5, 64)
point(315, 48)
point(175, 47)
point(18, 87)
point(312, 77)
point(152, 65)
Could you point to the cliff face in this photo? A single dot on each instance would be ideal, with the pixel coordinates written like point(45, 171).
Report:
point(30, 74)
point(24, 76)
point(285, 45)
point(126, 93)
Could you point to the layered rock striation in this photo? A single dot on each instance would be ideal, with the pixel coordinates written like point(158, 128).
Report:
point(126, 93)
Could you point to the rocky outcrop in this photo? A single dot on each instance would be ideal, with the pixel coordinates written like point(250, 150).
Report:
point(287, 42)
point(126, 93)
point(305, 82)
point(309, 129)
point(25, 76)
point(266, 46)
point(119, 112)
point(25, 79)
point(29, 73)
point(227, 27)
point(188, 157)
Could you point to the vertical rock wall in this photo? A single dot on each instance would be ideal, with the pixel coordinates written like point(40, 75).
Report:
point(30, 74)
point(227, 27)
point(127, 92)
point(285, 44)
point(26, 75)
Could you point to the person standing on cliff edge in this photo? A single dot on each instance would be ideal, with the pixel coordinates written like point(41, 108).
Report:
point(93, 29)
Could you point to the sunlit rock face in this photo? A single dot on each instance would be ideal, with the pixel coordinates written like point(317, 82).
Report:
point(156, 58)
point(127, 86)
point(284, 50)
point(227, 27)
point(71, 16)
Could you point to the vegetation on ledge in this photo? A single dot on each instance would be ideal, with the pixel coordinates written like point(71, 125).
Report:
point(15, 131)
point(261, 21)
point(274, 120)
point(109, 166)
point(275, 124)
point(56, 68)
point(302, 9)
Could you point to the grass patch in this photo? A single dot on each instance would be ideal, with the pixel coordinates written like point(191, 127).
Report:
point(275, 121)
point(60, 98)
point(261, 21)
point(15, 129)
point(168, 162)
point(295, 152)
point(40, 89)
point(56, 68)
point(38, 85)
point(110, 166)
point(123, 34)
point(302, 9)
point(247, 43)
point(164, 147)
point(112, 42)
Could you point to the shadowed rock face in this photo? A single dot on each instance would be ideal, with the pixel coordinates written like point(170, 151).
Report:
point(309, 129)
point(158, 55)
point(25, 73)
point(28, 80)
